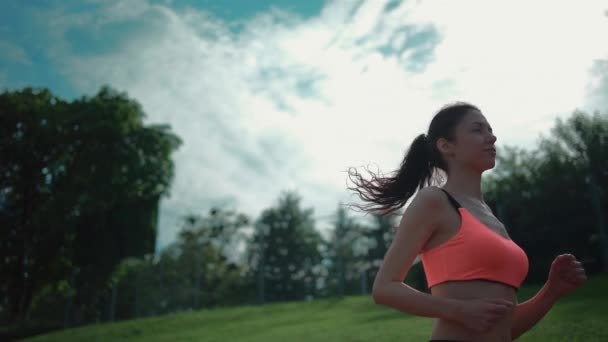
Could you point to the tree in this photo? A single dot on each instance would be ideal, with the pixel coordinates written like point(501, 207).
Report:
point(191, 273)
point(380, 235)
point(584, 138)
point(28, 122)
point(80, 185)
point(284, 251)
point(341, 254)
point(206, 244)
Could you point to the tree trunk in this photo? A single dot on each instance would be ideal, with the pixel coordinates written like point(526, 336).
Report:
point(113, 302)
point(23, 290)
point(601, 222)
point(364, 282)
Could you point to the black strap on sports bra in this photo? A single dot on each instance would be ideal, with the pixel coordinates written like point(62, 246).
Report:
point(452, 200)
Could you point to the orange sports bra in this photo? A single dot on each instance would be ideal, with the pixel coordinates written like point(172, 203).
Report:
point(475, 252)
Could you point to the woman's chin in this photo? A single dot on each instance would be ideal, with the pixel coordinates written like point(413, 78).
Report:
point(488, 166)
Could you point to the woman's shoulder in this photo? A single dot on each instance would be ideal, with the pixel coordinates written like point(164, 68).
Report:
point(431, 196)
point(429, 201)
point(425, 213)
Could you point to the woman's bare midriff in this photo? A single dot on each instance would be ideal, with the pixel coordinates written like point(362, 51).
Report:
point(471, 289)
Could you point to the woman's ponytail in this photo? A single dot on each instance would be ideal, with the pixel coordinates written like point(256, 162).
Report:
point(388, 194)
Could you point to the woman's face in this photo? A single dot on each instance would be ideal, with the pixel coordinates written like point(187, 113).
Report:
point(474, 145)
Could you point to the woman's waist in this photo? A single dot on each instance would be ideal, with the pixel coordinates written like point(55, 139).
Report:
point(446, 329)
point(474, 289)
point(469, 290)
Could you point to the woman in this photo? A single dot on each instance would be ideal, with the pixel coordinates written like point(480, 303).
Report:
point(472, 267)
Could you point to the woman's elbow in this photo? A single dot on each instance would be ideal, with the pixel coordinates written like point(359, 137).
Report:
point(377, 292)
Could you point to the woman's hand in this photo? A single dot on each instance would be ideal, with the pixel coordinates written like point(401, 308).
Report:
point(566, 275)
point(480, 315)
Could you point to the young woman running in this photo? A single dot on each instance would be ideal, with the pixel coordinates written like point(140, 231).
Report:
point(472, 267)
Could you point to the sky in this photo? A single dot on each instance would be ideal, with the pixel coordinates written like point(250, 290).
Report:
point(270, 96)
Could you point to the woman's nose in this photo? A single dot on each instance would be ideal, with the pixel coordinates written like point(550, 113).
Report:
point(493, 138)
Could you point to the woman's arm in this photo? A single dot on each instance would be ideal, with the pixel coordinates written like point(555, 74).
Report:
point(528, 313)
point(566, 275)
point(404, 298)
point(417, 225)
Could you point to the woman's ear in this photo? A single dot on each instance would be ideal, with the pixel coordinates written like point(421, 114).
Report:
point(445, 147)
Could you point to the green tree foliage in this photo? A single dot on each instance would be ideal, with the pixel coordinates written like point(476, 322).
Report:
point(206, 245)
point(344, 275)
point(379, 235)
point(192, 273)
point(79, 190)
point(284, 251)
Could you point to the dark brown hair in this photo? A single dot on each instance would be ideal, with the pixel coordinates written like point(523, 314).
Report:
point(387, 194)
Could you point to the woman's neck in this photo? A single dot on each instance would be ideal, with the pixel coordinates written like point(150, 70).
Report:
point(466, 183)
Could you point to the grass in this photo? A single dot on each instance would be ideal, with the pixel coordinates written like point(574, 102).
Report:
point(581, 316)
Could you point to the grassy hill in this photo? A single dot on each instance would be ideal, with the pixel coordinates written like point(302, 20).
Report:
point(582, 316)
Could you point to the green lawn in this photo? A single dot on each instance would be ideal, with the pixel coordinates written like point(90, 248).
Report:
point(582, 316)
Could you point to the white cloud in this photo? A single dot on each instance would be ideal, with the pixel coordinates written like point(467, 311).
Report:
point(290, 103)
